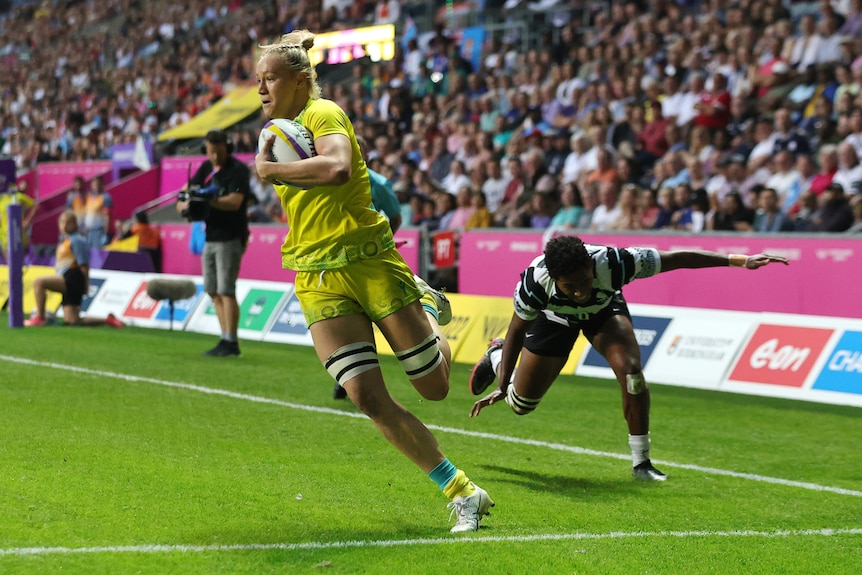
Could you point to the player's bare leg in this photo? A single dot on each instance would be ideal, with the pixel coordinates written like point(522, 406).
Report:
point(532, 380)
point(337, 339)
point(41, 287)
point(617, 343)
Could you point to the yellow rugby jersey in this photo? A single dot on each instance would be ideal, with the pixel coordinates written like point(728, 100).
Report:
point(331, 226)
point(26, 203)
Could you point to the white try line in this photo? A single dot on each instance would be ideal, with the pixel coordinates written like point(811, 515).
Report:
point(477, 434)
point(21, 551)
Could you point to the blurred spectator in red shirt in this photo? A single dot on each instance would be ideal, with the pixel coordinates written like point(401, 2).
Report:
point(828, 159)
point(652, 137)
point(513, 193)
point(714, 105)
point(604, 172)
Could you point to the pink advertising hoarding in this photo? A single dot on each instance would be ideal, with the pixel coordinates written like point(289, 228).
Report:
point(175, 170)
point(822, 279)
point(53, 177)
point(262, 259)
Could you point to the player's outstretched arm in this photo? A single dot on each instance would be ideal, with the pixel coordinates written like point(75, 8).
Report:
point(693, 259)
point(512, 345)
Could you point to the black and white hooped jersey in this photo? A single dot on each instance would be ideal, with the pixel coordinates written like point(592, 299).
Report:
point(537, 293)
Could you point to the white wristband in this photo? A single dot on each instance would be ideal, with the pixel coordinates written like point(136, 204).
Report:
point(737, 260)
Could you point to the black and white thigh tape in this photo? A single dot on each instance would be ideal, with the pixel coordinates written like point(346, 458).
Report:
point(520, 405)
point(351, 360)
point(422, 359)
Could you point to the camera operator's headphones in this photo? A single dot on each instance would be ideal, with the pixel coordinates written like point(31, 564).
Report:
point(217, 136)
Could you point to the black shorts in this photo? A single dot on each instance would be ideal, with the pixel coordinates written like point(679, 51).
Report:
point(76, 287)
point(551, 339)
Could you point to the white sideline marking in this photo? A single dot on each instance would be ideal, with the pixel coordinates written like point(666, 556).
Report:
point(19, 551)
point(478, 434)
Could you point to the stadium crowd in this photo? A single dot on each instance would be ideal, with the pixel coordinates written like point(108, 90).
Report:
point(693, 115)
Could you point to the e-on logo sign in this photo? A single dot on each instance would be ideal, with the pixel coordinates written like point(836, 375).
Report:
point(780, 355)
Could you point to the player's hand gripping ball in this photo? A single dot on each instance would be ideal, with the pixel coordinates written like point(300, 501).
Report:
point(292, 141)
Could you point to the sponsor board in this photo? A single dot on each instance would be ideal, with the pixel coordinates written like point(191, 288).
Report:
point(141, 307)
point(182, 308)
point(52, 300)
point(698, 347)
point(466, 312)
point(125, 295)
point(781, 355)
point(810, 358)
point(479, 320)
point(96, 284)
point(115, 293)
point(4, 285)
point(289, 325)
point(842, 371)
point(257, 310)
point(204, 319)
point(648, 331)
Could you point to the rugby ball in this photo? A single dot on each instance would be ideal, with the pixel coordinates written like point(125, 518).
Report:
point(292, 141)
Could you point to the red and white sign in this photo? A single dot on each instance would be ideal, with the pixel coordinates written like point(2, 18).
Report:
point(780, 355)
point(141, 306)
point(444, 249)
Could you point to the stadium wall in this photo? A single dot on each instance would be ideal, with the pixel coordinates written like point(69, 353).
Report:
point(262, 259)
point(818, 280)
point(815, 282)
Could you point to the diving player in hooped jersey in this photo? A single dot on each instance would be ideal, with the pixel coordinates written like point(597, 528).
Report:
point(574, 287)
point(350, 276)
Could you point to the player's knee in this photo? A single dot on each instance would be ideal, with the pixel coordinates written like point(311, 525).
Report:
point(520, 405)
point(433, 387)
point(636, 383)
point(351, 360)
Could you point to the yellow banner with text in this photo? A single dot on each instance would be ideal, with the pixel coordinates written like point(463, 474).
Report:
point(476, 320)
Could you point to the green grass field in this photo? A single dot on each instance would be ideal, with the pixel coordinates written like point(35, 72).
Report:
point(125, 451)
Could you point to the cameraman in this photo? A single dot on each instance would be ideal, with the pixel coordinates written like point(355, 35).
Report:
point(218, 194)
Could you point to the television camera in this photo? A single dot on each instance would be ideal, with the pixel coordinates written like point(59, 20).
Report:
point(198, 198)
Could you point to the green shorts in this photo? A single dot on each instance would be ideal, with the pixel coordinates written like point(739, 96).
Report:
point(376, 287)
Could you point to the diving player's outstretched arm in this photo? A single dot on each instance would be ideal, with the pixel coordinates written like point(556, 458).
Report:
point(692, 259)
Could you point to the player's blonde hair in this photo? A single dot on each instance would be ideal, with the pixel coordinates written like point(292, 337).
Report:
point(293, 50)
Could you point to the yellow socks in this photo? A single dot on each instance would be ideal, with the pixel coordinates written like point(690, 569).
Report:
point(460, 485)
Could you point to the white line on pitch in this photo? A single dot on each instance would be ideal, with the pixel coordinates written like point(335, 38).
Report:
point(430, 541)
point(478, 434)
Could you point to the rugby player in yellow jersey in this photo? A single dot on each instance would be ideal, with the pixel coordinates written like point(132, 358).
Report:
point(349, 273)
point(28, 211)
